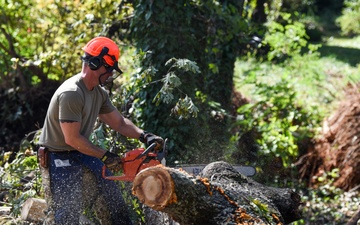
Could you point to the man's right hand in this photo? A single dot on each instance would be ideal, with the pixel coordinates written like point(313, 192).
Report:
point(112, 161)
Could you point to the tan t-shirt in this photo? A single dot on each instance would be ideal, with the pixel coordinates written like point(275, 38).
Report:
point(72, 101)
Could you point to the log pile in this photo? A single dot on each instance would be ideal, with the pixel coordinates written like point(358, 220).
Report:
point(219, 195)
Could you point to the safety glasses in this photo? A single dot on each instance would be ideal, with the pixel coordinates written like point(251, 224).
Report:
point(111, 68)
point(113, 76)
point(108, 68)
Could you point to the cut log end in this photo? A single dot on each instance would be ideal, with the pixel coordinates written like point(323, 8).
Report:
point(154, 187)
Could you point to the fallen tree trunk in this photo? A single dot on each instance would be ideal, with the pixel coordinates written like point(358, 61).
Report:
point(153, 217)
point(220, 195)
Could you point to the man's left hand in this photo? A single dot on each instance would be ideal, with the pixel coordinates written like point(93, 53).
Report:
point(149, 138)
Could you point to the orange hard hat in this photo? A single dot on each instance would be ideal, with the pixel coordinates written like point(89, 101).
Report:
point(96, 46)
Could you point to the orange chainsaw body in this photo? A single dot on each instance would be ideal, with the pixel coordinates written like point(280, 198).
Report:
point(133, 162)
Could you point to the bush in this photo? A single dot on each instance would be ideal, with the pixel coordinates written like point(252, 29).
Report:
point(349, 21)
point(327, 204)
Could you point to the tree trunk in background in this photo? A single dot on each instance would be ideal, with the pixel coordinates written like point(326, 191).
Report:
point(220, 195)
point(208, 34)
point(259, 15)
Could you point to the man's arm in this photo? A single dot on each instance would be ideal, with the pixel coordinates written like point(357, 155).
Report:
point(125, 127)
point(71, 131)
point(121, 124)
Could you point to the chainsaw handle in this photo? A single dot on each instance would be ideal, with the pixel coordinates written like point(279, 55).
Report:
point(112, 177)
point(163, 153)
point(104, 174)
point(146, 151)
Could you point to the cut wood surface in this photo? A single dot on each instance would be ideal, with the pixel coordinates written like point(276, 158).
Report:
point(5, 210)
point(155, 188)
point(219, 195)
point(33, 210)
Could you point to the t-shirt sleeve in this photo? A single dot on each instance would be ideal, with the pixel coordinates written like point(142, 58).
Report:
point(107, 106)
point(70, 106)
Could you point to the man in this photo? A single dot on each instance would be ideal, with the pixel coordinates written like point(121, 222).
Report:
point(70, 119)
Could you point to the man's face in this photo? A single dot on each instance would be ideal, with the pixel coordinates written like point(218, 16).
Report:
point(109, 74)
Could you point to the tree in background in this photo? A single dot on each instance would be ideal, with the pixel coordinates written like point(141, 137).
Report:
point(349, 21)
point(209, 33)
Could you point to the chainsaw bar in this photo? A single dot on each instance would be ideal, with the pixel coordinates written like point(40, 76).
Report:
point(195, 169)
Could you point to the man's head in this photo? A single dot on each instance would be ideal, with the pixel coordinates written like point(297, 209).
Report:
point(102, 51)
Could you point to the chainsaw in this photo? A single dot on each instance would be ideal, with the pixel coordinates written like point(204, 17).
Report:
point(136, 160)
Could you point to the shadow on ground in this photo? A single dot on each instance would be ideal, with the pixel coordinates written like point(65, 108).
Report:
point(344, 54)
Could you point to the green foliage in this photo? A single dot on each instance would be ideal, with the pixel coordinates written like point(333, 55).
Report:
point(288, 103)
point(136, 214)
point(42, 42)
point(33, 38)
point(262, 209)
point(277, 118)
point(170, 81)
point(99, 138)
point(314, 84)
point(349, 21)
point(286, 40)
point(184, 107)
point(208, 33)
point(41, 46)
point(327, 204)
point(12, 181)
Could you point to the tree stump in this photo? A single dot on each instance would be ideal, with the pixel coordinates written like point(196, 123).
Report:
point(219, 195)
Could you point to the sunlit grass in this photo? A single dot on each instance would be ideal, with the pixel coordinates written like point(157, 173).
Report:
point(319, 81)
point(342, 49)
point(344, 42)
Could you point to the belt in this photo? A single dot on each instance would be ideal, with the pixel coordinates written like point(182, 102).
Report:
point(58, 150)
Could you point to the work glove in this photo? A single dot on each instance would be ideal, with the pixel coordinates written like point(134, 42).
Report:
point(149, 138)
point(112, 161)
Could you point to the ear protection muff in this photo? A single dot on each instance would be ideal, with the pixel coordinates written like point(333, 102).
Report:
point(97, 61)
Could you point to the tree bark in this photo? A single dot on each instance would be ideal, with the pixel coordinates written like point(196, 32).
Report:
point(219, 195)
point(153, 217)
